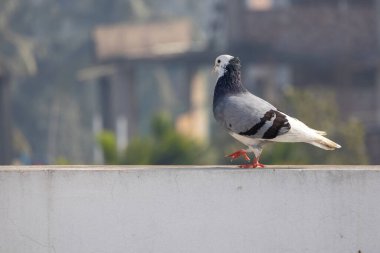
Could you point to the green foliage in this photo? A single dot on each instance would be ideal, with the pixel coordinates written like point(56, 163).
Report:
point(62, 161)
point(140, 151)
point(352, 136)
point(164, 146)
point(107, 141)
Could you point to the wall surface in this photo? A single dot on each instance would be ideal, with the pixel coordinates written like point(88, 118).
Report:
point(189, 209)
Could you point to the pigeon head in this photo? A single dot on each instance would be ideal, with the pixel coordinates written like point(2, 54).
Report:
point(224, 63)
point(229, 80)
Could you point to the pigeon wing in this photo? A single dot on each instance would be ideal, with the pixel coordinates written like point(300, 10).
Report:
point(251, 116)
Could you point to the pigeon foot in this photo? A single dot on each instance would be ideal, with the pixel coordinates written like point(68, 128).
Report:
point(238, 153)
point(254, 164)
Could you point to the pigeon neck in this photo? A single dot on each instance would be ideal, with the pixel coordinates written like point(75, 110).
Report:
point(230, 82)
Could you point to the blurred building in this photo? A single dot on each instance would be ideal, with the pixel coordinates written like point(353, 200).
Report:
point(305, 43)
point(139, 64)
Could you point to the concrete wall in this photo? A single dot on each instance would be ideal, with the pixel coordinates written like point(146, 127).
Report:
point(189, 209)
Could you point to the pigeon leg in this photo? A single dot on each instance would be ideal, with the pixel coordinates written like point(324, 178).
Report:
point(254, 164)
point(257, 149)
point(238, 153)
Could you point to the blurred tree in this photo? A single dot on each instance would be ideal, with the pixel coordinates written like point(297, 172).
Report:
point(107, 141)
point(318, 109)
point(164, 146)
point(16, 59)
point(62, 161)
point(140, 151)
point(16, 50)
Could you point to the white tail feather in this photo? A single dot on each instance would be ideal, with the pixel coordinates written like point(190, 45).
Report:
point(325, 143)
point(320, 132)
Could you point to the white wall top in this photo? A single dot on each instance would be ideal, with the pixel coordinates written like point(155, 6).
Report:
point(189, 209)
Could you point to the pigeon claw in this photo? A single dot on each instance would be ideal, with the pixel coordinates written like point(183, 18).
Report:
point(253, 165)
point(239, 153)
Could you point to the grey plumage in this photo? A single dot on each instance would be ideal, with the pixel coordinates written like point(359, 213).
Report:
point(248, 115)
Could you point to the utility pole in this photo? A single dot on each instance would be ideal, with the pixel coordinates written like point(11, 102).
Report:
point(5, 118)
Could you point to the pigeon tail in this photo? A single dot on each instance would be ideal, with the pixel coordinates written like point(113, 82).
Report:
point(320, 132)
point(324, 143)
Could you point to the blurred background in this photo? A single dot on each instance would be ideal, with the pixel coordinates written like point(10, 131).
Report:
point(130, 82)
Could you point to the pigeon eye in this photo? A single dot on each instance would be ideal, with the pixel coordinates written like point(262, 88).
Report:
point(218, 61)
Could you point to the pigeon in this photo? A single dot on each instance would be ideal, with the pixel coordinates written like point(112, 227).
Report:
point(252, 120)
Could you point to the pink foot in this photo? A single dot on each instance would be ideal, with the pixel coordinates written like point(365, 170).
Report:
point(254, 164)
point(238, 153)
